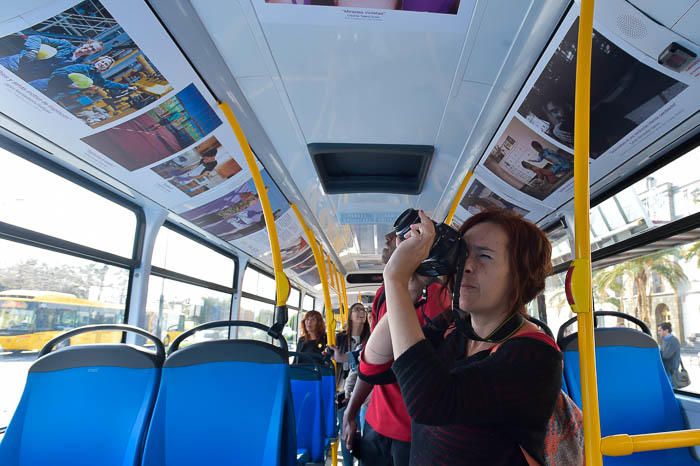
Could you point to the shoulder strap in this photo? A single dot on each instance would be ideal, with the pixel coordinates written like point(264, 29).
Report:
point(527, 333)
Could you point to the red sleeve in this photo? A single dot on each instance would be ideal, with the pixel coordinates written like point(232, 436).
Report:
point(377, 313)
point(373, 369)
point(439, 300)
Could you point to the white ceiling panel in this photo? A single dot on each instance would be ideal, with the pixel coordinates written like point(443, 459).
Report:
point(360, 85)
point(689, 25)
point(495, 36)
point(666, 13)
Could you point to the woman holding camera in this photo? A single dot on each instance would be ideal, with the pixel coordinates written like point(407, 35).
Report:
point(484, 396)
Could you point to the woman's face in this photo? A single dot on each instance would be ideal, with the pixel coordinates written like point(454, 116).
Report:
point(358, 315)
point(311, 323)
point(485, 281)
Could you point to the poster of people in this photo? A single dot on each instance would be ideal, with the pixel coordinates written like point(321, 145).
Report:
point(527, 162)
point(238, 213)
point(478, 198)
point(624, 93)
point(83, 60)
point(199, 169)
point(425, 6)
point(634, 101)
point(173, 125)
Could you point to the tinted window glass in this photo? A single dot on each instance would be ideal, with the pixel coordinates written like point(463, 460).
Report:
point(178, 253)
point(42, 294)
point(36, 199)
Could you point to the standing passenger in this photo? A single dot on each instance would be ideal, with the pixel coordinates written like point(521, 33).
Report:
point(670, 349)
point(348, 345)
point(386, 438)
point(473, 405)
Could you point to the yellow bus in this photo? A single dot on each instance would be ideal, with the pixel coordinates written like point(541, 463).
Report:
point(30, 318)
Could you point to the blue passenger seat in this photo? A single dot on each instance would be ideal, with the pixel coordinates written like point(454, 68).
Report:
point(328, 403)
point(635, 395)
point(307, 394)
point(85, 405)
point(223, 402)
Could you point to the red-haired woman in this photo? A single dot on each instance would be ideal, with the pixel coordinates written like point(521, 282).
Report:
point(313, 337)
point(470, 404)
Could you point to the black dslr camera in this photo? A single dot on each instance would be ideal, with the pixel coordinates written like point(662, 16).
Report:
point(442, 259)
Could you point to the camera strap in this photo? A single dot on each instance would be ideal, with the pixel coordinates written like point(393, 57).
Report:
point(463, 320)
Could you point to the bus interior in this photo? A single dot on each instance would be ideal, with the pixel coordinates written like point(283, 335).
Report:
point(148, 147)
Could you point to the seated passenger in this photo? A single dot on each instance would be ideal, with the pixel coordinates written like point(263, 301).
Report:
point(471, 404)
point(313, 338)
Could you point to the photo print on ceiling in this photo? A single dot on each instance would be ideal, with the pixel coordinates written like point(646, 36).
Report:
point(83, 60)
point(624, 93)
point(526, 161)
point(199, 169)
point(162, 131)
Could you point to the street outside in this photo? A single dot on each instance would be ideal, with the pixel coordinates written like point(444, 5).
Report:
point(13, 374)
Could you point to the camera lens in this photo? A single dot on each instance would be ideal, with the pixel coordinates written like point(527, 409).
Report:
point(403, 223)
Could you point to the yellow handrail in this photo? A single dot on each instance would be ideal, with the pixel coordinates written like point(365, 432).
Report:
point(320, 264)
point(458, 197)
point(344, 291)
point(282, 285)
point(623, 444)
point(581, 265)
point(330, 320)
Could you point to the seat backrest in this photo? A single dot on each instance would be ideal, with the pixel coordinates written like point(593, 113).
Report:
point(87, 404)
point(328, 402)
point(222, 402)
point(306, 391)
point(634, 393)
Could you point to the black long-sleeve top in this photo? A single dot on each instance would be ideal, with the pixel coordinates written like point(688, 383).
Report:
point(479, 410)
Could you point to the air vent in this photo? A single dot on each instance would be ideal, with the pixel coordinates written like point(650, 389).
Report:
point(371, 168)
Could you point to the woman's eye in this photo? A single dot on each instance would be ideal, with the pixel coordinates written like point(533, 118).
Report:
point(485, 256)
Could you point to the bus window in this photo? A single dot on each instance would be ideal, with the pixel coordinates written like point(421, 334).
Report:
point(668, 194)
point(170, 302)
point(255, 311)
point(52, 205)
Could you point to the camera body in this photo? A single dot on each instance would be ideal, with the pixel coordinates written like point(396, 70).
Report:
point(443, 255)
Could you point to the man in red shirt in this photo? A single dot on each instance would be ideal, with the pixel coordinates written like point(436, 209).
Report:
point(387, 433)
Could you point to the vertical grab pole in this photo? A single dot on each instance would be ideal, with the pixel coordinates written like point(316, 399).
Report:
point(320, 264)
point(578, 280)
point(344, 291)
point(282, 285)
point(458, 197)
point(330, 316)
point(330, 320)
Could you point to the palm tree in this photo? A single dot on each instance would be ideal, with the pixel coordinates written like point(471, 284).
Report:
point(693, 251)
point(639, 270)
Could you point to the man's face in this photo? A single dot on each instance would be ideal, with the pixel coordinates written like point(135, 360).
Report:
point(661, 332)
point(89, 48)
point(389, 246)
point(555, 111)
point(103, 64)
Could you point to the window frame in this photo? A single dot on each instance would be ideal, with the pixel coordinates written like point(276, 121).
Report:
point(177, 276)
point(28, 151)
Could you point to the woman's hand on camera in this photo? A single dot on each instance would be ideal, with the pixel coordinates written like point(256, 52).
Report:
point(411, 251)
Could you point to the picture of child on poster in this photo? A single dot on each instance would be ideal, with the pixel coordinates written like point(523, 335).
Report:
point(479, 198)
point(99, 75)
point(527, 162)
point(238, 213)
point(162, 131)
point(624, 93)
point(199, 169)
